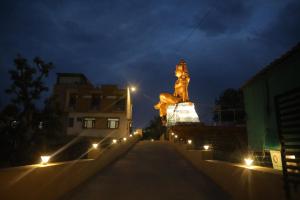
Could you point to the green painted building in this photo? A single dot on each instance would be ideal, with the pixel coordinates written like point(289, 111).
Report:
point(279, 77)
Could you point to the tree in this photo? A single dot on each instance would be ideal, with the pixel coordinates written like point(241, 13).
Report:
point(26, 88)
point(155, 129)
point(229, 107)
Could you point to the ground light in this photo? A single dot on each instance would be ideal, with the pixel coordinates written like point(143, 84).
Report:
point(95, 145)
point(114, 141)
point(248, 161)
point(124, 139)
point(190, 141)
point(45, 160)
point(206, 147)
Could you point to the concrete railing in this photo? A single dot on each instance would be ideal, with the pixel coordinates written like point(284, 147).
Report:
point(239, 181)
point(54, 180)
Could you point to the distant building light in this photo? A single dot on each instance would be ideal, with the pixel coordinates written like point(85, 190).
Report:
point(172, 133)
point(206, 147)
point(190, 141)
point(248, 161)
point(40, 125)
point(124, 139)
point(14, 123)
point(114, 141)
point(45, 160)
point(176, 136)
point(130, 135)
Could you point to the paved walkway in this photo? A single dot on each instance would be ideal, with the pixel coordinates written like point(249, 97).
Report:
point(151, 170)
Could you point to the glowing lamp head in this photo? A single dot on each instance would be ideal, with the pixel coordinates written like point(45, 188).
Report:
point(133, 89)
point(206, 147)
point(114, 141)
point(45, 160)
point(248, 161)
point(124, 139)
point(190, 141)
point(95, 145)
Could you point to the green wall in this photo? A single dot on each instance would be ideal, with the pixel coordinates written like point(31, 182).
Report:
point(259, 102)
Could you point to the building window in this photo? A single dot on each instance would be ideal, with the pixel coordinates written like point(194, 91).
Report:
point(72, 101)
point(89, 123)
point(113, 123)
point(120, 104)
point(71, 122)
point(95, 103)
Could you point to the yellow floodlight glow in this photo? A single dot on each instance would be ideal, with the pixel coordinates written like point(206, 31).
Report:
point(124, 139)
point(206, 147)
point(248, 161)
point(45, 160)
point(190, 141)
point(114, 141)
point(95, 145)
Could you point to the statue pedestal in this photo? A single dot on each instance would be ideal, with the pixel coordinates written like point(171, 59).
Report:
point(181, 113)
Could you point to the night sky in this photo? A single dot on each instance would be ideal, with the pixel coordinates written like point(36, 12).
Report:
point(224, 42)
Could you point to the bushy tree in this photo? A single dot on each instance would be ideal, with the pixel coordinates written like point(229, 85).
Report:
point(155, 129)
point(229, 107)
point(20, 120)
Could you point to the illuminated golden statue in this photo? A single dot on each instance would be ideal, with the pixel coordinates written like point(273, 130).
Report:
point(180, 90)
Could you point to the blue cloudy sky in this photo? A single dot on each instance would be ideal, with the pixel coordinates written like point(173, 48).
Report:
point(224, 42)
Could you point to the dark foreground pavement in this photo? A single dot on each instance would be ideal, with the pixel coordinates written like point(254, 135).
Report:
point(151, 170)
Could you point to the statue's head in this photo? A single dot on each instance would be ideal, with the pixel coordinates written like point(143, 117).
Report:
point(181, 68)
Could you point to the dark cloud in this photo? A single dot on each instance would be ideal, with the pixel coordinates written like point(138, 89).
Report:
point(224, 17)
point(140, 42)
point(284, 29)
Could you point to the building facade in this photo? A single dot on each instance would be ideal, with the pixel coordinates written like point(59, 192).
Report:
point(279, 77)
point(104, 111)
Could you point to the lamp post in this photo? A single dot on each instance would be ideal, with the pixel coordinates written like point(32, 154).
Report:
point(129, 106)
